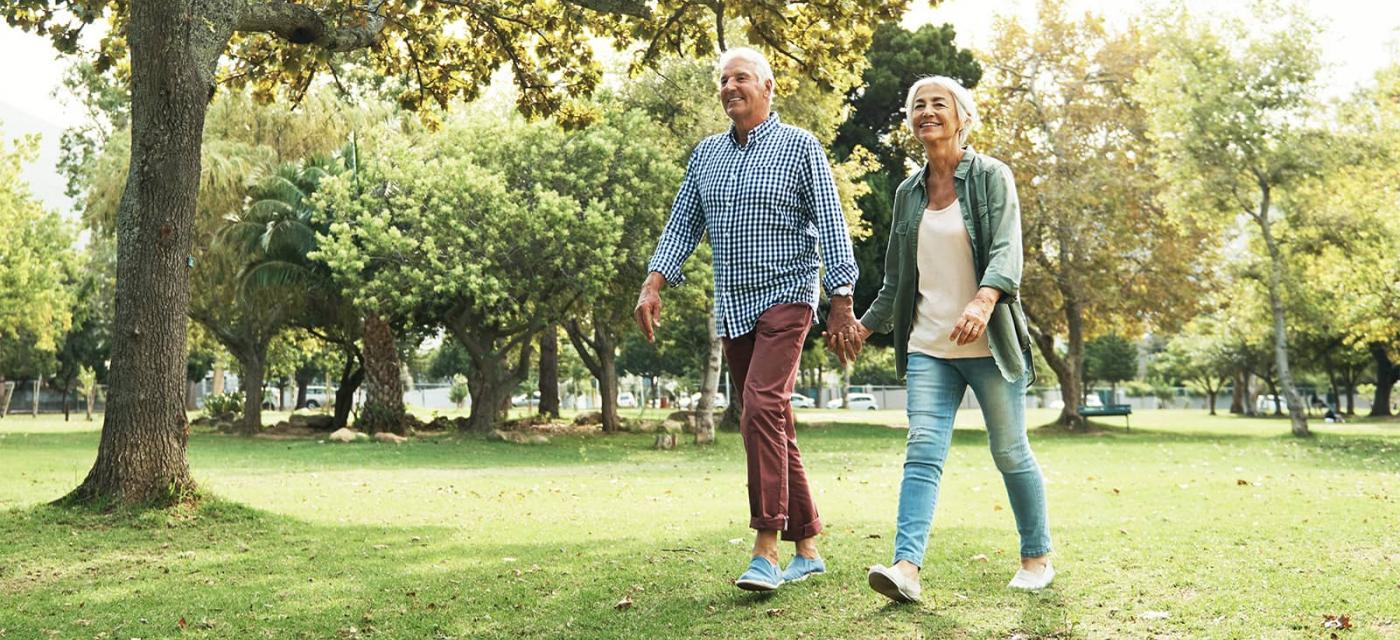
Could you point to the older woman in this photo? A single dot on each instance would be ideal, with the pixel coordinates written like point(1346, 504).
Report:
point(952, 275)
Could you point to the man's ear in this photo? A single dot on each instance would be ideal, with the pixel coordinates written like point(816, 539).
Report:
point(770, 86)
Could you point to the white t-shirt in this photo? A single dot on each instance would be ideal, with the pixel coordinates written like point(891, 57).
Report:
point(946, 284)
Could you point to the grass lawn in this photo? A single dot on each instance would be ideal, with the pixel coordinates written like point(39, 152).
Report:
point(1187, 527)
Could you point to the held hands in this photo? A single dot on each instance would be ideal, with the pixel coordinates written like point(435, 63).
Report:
point(973, 323)
point(648, 310)
point(844, 335)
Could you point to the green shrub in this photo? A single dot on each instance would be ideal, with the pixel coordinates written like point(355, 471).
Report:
point(222, 404)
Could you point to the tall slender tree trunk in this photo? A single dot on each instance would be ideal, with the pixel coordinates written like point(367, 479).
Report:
point(549, 372)
point(1237, 393)
point(67, 389)
point(38, 387)
point(1296, 415)
point(7, 389)
point(91, 399)
point(141, 456)
point(383, 410)
point(709, 386)
point(1386, 372)
point(218, 382)
point(191, 403)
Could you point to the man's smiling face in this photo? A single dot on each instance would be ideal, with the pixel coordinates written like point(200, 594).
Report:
point(745, 98)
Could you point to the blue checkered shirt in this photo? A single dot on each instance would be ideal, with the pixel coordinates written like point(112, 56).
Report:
point(766, 205)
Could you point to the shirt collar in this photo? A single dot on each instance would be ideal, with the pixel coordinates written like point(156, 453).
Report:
point(759, 131)
point(960, 173)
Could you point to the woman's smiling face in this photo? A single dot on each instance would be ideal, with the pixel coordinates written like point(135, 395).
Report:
point(934, 114)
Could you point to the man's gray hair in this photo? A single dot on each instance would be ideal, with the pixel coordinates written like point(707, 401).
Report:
point(966, 107)
point(751, 56)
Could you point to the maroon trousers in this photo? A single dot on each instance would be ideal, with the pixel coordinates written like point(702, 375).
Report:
point(764, 363)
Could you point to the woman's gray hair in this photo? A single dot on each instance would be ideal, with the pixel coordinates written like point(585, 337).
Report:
point(751, 56)
point(966, 107)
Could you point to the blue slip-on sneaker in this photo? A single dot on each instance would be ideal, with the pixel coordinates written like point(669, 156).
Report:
point(802, 568)
point(762, 575)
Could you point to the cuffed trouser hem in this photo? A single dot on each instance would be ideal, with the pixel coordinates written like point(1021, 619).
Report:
point(768, 524)
point(804, 532)
point(1033, 553)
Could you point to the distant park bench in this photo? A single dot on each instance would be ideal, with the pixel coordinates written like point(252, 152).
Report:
point(1124, 410)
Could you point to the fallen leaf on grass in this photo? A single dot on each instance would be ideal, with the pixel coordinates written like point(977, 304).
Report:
point(981, 557)
point(773, 613)
point(872, 536)
point(1242, 482)
point(624, 604)
point(1154, 615)
point(1116, 491)
point(182, 624)
point(736, 541)
point(1336, 622)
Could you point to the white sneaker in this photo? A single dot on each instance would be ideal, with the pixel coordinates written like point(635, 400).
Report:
point(1033, 580)
point(892, 584)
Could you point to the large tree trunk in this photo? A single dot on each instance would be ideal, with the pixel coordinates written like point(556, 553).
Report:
point(253, 362)
point(141, 457)
point(608, 385)
point(383, 410)
point(493, 378)
point(1067, 368)
point(549, 372)
point(599, 356)
point(1296, 415)
point(1386, 373)
point(709, 386)
point(350, 378)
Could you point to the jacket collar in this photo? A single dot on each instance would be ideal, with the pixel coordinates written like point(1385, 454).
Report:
point(959, 173)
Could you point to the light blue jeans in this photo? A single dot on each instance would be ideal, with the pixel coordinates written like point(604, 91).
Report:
point(936, 387)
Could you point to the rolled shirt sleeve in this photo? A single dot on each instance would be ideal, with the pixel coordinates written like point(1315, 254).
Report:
point(1004, 256)
point(824, 205)
point(683, 229)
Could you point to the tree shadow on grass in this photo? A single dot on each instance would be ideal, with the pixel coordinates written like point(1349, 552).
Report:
point(230, 571)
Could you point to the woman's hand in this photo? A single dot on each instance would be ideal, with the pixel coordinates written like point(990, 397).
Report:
point(975, 316)
point(848, 343)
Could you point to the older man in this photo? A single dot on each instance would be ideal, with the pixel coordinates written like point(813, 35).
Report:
point(764, 194)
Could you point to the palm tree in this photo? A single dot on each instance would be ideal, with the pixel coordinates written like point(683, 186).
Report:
point(277, 233)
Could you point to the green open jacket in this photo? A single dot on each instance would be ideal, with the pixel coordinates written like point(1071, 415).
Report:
point(992, 213)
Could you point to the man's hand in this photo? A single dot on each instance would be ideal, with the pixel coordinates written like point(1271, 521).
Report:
point(973, 323)
point(648, 311)
point(843, 331)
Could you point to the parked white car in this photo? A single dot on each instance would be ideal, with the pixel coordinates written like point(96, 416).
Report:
point(318, 396)
point(625, 399)
point(719, 402)
point(859, 401)
point(800, 401)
